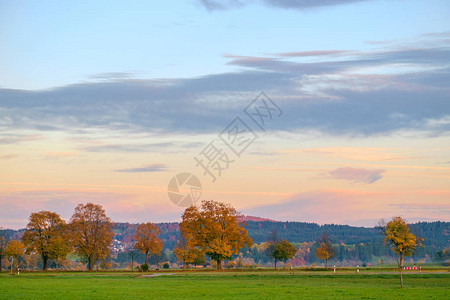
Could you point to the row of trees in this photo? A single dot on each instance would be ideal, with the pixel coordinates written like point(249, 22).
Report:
point(213, 228)
point(88, 234)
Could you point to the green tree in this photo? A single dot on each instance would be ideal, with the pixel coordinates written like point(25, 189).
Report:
point(397, 235)
point(199, 257)
point(272, 241)
point(44, 234)
point(216, 229)
point(283, 251)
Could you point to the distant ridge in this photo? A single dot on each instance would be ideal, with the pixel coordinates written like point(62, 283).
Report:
point(255, 219)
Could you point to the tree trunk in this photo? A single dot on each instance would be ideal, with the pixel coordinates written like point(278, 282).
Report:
point(219, 265)
point(275, 264)
point(0, 263)
point(401, 269)
point(90, 263)
point(44, 262)
point(98, 263)
point(132, 263)
point(326, 263)
point(146, 257)
point(184, 264)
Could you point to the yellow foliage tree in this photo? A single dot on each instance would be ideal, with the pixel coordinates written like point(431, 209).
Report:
point(402, 242)
point(90, 232)
point(44, 234)
point(322, 252)
point(14, 249)
point(214, 227)
point(147, 240)
point(185, 253)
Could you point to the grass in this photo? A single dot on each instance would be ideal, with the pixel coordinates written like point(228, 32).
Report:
point(209, 285)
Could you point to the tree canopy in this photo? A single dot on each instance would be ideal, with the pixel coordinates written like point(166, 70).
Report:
point(283, 251)
point(90, 232)
point(184, 252)
point(14, 249)
point(400, 239)
point(147, 240)
point(44, 234)
point(214, 227)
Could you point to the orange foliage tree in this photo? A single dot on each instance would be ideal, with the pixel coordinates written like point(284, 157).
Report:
point(90, 232)
point(14, 249)
point(147, 240)
point(185, 253)
point(214, 227)
point(44, 234)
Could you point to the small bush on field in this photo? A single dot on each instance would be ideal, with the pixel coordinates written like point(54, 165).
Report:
point(144, 267)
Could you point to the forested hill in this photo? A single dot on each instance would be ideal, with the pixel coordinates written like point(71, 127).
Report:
point(436, 234)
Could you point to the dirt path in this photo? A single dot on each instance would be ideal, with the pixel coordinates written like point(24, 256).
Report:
point(157, 274)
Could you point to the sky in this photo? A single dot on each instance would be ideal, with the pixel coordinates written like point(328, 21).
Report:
point(327, 111)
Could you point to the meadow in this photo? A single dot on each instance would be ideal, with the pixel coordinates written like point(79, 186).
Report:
point(229, 284)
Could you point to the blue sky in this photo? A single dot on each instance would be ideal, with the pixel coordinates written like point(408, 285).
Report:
point(106, 101)
point(53, 43)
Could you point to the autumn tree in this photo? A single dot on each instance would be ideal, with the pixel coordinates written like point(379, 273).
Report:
point(90, 232)
point(147, 240)
point(14, 249)
point(397, 235)
point(215, 228)
point(325, 248)
point(184, 252)
point(283, 251)
point(322, 252)
point(3, 243)
point(59, 248)
point(44, 234)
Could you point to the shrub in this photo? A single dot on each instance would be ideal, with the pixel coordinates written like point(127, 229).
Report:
point(144, 267)
point(166, 266)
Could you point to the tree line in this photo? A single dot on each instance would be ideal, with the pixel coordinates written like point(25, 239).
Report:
point(213, 229)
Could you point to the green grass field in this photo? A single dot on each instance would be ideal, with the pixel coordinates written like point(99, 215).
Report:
point(252, 285)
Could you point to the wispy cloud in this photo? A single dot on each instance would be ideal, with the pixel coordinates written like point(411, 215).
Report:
point(212, 5)
point(357, 175)
point(59, 155)
point(141, 147)
point(334, 95)
point(112, 76)
point(8, 156)
point(145, 169)
point(18, 138)
point(312, 53)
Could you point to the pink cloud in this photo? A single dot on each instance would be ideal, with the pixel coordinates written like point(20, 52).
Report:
point(357, 175)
